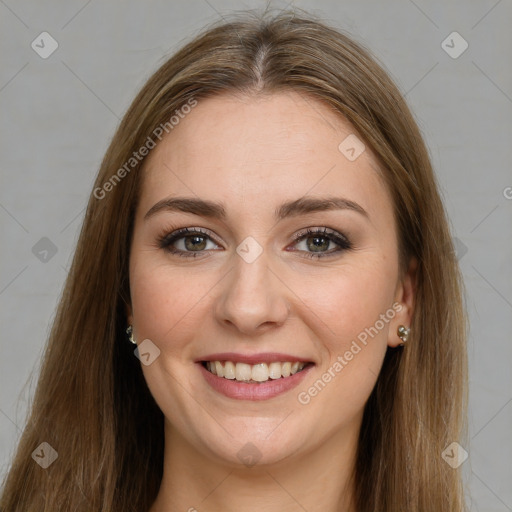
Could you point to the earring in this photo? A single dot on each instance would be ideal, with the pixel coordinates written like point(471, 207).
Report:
point(403, 333)
point(129, 332)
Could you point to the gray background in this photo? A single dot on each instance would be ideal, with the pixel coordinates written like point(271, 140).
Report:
point(59, 113)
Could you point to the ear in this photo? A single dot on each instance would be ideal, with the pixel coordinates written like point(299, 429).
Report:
point(405, 296)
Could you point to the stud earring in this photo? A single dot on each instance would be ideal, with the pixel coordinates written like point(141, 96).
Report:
point(129, 332)
point(403, 333)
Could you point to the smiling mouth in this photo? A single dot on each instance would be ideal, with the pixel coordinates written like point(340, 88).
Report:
point(254, 373)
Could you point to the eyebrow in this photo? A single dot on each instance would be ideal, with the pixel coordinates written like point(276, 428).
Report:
point(215, 210)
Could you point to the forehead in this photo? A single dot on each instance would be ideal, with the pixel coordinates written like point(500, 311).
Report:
point(250, 150)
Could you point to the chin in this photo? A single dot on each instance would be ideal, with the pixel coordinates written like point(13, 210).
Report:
point(256, 441)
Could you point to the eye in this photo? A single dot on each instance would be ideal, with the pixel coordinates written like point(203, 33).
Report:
point(191, 242)
point(318, 239)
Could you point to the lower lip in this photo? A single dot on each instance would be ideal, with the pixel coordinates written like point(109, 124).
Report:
point(254, 391)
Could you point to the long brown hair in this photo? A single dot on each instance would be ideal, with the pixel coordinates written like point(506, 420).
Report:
point(92, 404)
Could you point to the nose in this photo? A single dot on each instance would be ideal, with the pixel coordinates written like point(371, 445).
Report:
point(253, 299)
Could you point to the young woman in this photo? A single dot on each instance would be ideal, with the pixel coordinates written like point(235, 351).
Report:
point(266, 229)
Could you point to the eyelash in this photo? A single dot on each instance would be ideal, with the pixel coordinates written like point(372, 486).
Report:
point(166, 240)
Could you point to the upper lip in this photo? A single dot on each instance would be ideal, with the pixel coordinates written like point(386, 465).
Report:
point(263, 357)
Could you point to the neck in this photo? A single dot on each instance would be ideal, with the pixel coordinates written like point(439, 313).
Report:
point(318, 480)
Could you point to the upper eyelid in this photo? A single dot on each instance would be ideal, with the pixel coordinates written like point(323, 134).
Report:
point(183, 232)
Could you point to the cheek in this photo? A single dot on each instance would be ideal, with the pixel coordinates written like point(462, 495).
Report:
point(352, 309)
point(164, 301)
point(348, 300)
point(353, 339)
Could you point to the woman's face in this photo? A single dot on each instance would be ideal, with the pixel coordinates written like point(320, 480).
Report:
point(248, 284)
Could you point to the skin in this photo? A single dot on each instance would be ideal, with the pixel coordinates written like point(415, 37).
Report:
point(252, 153)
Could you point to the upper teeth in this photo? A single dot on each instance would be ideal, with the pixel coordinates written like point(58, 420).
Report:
point(256, 372)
